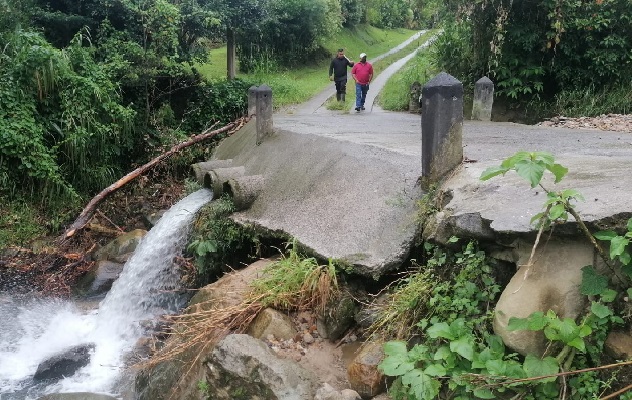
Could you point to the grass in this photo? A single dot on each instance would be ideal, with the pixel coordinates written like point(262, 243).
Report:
point(590, 102)
point(19, 223)
point(395, 94)
point(384, 63)
point(293, 86)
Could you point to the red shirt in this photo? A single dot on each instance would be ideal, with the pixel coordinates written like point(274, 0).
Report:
point(362, 72)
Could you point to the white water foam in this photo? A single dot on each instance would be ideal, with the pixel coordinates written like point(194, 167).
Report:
point(33, 330)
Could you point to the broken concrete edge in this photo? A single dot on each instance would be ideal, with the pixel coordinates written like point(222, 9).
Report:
point(349, 264)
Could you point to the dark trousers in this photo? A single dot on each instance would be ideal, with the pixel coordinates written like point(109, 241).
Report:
point(341, 86)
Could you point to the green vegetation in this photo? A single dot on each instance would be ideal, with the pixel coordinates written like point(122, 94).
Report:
point(295, 85)
point(217, 240)
point(537, 50)
point(396, 93)
point(296, 283)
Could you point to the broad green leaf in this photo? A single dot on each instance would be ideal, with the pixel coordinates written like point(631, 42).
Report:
point(592, 282)
point(492, 172)
point(536, 217)
point(564, 330)
point(422, 385)
point(435, 370)
point(547, 158)
point(534, 367)
point(605, 235)
point(531, 171)
point(442, 353)
point(629, 225)
point(483, 393)
point(557, 211)
point(600, 310)
point(569, 194)
point(578, 343)
point(559, 171)
point(625, 258)
point(440, 330)
point(511, 162)
point(518, 324)
point(629, 293)
point(463, 346)
point(419, 352)
point(396, 365)
point(496, 345)
point(537, 321)
point(496, 367)
point(396, 348)
point(617, 246)
point(584, 330)
point(608, 296)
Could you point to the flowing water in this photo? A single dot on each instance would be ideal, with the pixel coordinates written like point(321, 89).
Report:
point(31, 330)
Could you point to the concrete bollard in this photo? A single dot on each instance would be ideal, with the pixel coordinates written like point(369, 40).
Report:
point(244, 190)
point(215, 178)
point(252, 101)
point(200, 169)
point(483, 99)
point(264, 112)
point(441, 127)
point(414, 106)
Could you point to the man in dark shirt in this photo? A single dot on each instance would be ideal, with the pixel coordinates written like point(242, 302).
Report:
point(338, 73)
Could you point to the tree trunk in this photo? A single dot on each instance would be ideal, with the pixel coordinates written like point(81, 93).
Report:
point(230, 56)
point(89, 210)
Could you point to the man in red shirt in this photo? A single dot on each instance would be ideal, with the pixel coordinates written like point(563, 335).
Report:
point(362, 73)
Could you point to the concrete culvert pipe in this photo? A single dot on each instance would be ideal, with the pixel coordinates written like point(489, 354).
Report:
point(244, 190)
point(215, 178)
point(200, 169)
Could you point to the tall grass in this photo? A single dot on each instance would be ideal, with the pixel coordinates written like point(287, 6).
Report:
point(589, 102)
point(395, 95)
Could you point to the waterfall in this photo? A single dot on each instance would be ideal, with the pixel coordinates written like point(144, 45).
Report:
point(31, 330)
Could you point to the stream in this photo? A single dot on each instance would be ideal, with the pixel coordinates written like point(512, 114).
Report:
point(34, 329)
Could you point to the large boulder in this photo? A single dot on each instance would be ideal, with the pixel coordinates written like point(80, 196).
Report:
point(363, 374)
point(242, 367)
point(100, 279)
point(64, 363)
point(551, 283)
point(119, 249)
point(338, 318)
point(272, 322)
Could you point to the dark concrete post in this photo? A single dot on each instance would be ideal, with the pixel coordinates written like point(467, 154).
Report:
point(230, 55)
point(483, 99)
point(252, 101)
point(441, 127)
point(264, 112)
point(415, 92)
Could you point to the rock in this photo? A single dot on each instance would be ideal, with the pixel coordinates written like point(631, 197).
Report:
point(551, 283)
point(272, 322)
point(369, 313)
point(99, 280)
point(150, 220)
point(308, 338)
point(348, 394)
point(382, 396)
point(327, 392)
point(230, 290)
point(65, 363)
point(619, 345)
point(242, 367)
point(339, 317)
point(118, 250)
point(165, 380)
point(363, 374)
point(77, 396)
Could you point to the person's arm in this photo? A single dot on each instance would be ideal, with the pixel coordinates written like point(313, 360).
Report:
point(370, 74)
point(331, 70)
point(353, 74)
point(349, 62)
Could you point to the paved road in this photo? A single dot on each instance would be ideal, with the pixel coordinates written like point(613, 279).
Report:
point(315, 104)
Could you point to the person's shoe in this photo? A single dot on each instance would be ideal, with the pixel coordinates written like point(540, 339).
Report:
point(357, 109)
point(362, 108)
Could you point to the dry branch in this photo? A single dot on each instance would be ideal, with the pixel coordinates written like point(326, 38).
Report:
point(89, 210)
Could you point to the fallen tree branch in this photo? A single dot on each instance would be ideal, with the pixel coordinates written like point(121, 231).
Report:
point(89, 210)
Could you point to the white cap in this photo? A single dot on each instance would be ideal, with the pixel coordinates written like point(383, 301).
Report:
point(362, 55)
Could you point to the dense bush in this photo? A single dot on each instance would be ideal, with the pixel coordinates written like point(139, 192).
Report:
point(535, 49)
